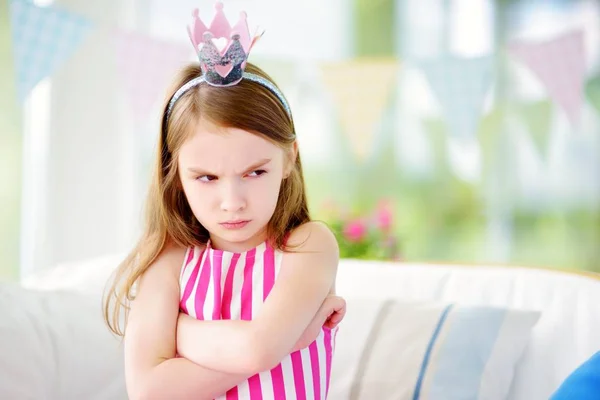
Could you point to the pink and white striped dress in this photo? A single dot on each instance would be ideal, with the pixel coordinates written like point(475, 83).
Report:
point(217, 284)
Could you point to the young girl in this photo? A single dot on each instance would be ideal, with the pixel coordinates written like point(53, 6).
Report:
point(234, 284)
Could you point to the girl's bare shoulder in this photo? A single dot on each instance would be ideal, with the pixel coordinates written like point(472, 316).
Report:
point(174, 257)
point(313, 235)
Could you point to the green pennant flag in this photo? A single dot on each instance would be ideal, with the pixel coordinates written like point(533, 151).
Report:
point(538, 117)
point(489, 130)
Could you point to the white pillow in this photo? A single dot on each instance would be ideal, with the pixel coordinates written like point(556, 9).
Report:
point(54, 345)
point(387, 349)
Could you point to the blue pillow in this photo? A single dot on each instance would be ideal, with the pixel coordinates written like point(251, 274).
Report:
point(429, 350)
point(583, 383)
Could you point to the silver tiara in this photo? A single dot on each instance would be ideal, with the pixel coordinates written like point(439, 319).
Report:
point(245, 75)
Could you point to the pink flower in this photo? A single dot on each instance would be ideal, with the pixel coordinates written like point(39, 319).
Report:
point(384, 216)
point(355, 230)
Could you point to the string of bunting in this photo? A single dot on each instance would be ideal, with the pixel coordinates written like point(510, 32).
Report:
point(45, 38)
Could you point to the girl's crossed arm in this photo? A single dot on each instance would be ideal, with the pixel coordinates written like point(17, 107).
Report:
point(245, 347)
point(151, 369)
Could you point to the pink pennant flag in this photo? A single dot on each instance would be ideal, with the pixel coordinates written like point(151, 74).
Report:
point(147, 66)
point(560, 65)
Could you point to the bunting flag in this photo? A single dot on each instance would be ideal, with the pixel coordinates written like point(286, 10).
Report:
point(43, 39)
point(146, 65)
point(559, 64)
point(490, 134)
point(460, 85)
point(360, 91)
point(537, 118)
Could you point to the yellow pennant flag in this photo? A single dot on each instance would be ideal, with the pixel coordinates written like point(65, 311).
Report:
point(360, 90)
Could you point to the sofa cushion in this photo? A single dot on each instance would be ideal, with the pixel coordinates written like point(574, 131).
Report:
point(389, 349)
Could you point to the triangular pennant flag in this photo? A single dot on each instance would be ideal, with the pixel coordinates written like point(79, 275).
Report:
point(592, 90)
point(360, 90)
point(537, 117)
point(560, 65)
point(488, 134)
point(460, 85)
point(146, 66)
point(43, 38)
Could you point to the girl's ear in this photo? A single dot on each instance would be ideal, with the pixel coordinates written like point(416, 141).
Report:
point(291, 160)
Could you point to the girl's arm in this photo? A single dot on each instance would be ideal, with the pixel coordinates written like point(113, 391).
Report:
point(151, 369)
point(330, 314)
point(306, 277)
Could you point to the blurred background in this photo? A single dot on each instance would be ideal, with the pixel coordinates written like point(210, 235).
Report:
point(456, 131)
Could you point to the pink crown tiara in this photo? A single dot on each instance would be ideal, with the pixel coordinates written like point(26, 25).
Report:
point(222, 49)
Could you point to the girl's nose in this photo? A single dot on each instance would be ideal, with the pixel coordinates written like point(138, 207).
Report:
point(233, 198)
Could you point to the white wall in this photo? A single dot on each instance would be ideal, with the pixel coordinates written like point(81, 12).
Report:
point(83, 203)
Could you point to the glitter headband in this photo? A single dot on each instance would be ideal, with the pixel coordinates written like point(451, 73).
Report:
point(225, 67)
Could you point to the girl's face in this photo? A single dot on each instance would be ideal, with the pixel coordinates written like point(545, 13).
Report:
point(231, 179)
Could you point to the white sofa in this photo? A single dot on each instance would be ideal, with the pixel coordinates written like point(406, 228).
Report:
point(54, 344)
point(566, 334)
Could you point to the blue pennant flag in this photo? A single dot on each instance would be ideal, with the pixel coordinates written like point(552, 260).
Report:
point(460, 85)
point(43, 38)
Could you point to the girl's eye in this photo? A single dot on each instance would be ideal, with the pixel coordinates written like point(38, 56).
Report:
point(258, 172)
point(206, 178)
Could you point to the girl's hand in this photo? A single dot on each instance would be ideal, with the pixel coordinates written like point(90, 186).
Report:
point(330, 314)
point(337, 311)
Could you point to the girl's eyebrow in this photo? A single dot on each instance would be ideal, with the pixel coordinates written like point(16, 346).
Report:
point(251, 168)
point(256, 165)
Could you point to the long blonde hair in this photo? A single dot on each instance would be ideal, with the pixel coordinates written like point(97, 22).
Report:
point(168, 216)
